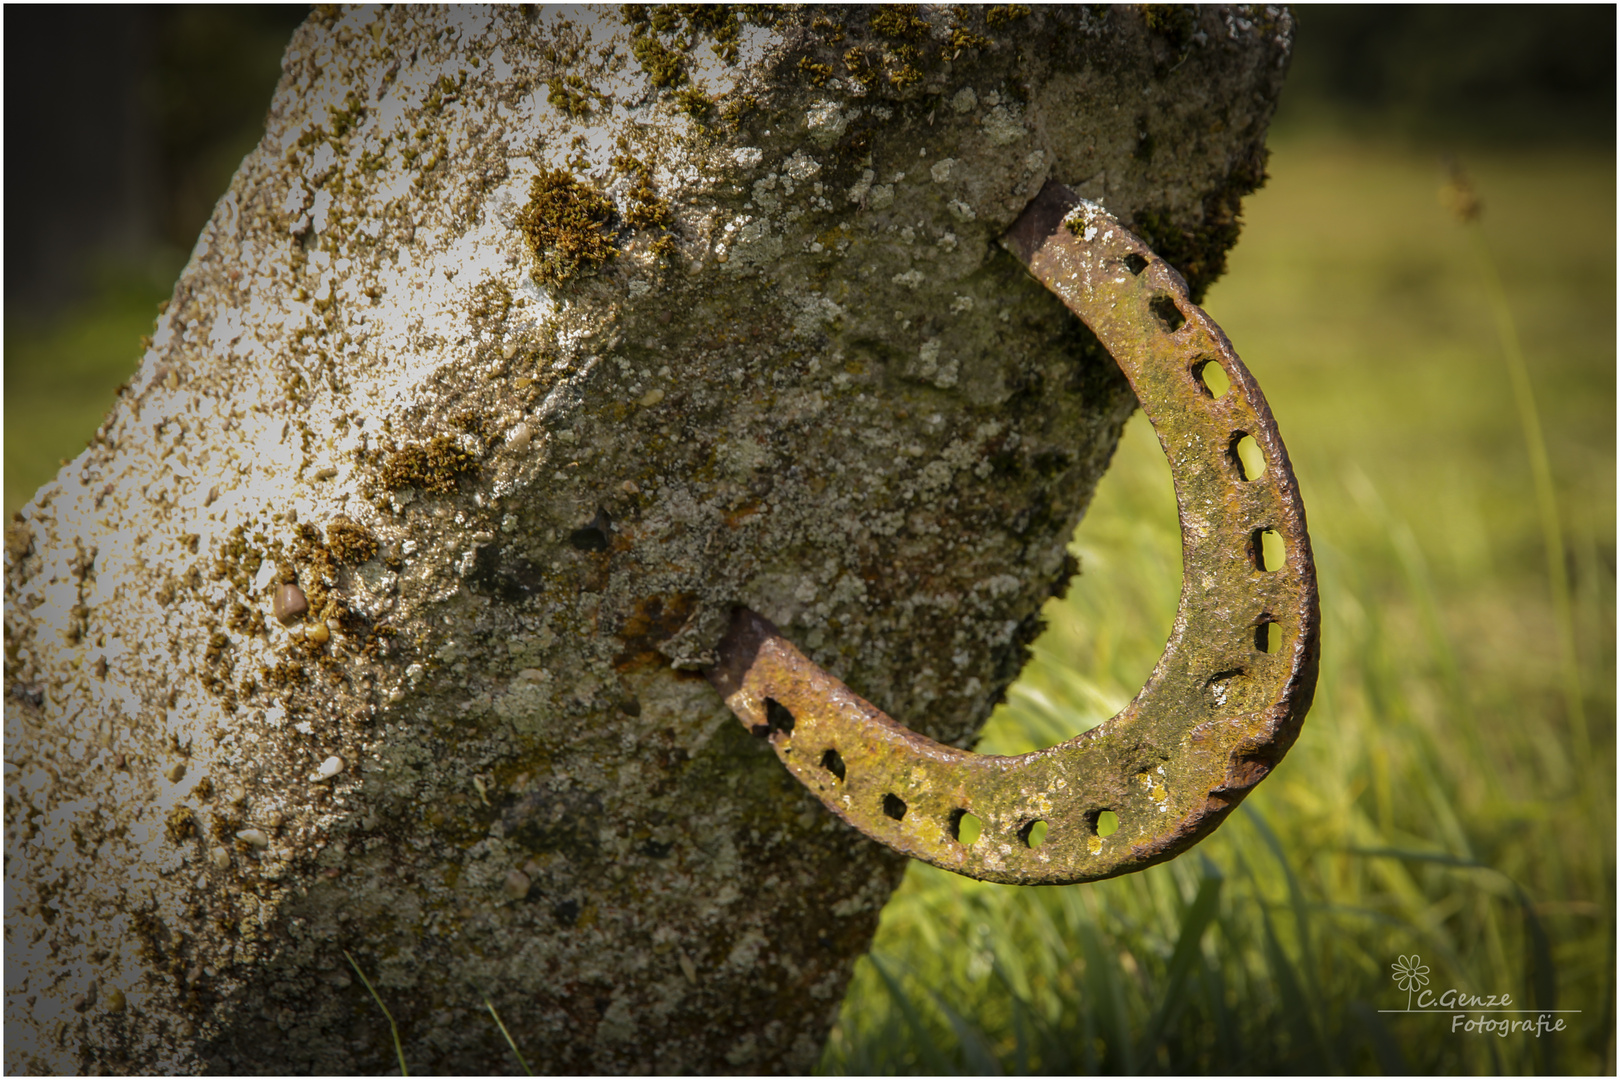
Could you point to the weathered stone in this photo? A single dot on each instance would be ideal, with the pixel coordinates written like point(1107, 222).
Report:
point(595, 327)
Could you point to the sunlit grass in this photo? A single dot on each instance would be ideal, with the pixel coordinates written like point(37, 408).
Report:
point(1437, 803)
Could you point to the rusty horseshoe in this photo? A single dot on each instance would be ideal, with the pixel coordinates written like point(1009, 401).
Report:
point(1224, 702)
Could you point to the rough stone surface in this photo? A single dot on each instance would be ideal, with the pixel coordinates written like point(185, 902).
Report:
point(482, 761)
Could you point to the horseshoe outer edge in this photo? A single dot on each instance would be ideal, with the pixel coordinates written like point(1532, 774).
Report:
point(1228, 695)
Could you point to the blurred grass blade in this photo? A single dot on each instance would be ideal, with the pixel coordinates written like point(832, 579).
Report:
point(1200, 913)
point(393, 1027)
point(977, 1058)
point(490, 1005)
point(1103, 986)
point(1535, 444)
point(1386, 1051)
point(923, 1039)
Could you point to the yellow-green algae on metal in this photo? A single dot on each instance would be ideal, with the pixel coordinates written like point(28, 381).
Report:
point(1226, 699)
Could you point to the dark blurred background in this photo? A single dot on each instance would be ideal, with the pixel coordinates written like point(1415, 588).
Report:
point(125, 123)
point(1465, 73)
point(123, 126)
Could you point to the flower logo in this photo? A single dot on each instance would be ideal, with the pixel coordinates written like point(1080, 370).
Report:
point(1411, 974)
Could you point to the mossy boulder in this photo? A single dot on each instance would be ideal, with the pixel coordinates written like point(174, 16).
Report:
point(526, 344)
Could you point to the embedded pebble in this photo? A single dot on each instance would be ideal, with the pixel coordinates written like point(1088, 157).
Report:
point(257, 837)
point(175, 773)
point(319, 633)
point(290, 603)
point(516, 885)
point(518, 438)
point(115, 1000)
point(329, 768)
point(220, 858)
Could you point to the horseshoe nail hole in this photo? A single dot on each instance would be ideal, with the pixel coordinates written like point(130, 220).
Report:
point(1266, 547)
point(1135, 263)
point(1268, 637)
point(777, 717)
point(1219, 687)
point(1213, 378)
point(1034, 834)
point(965, 827)
point(1107, 823)
point(894, 806)
point(833, 763)
point(1247, 457)
point(1164, 306)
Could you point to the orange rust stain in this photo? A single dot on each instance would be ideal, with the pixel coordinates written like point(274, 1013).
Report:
point(653, 621)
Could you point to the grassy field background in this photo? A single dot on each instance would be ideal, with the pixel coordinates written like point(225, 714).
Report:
point(1444, 801)
point(1440, 803)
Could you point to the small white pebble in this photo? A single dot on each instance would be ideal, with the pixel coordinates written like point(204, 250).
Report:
point(651, 398)
point(257, 837)
point(329, 768)
point(518, 438)
point(508, 350)
point(630, 488)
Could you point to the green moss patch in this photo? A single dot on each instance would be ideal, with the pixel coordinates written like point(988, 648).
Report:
point(434, 466)
point(349, 541)
point(1002, 14)
point(571, 95)
point(900, 21)
point(568, 226)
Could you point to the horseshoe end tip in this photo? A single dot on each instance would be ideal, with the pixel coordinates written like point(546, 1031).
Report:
point(737, 650)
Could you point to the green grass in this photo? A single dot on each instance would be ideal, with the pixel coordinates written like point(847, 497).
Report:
point(1438, 802)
